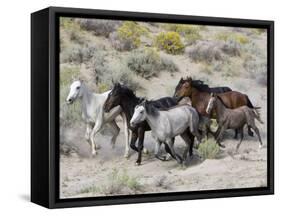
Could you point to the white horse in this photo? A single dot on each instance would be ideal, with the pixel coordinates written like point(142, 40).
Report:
point(166, 124)
point(93, 114)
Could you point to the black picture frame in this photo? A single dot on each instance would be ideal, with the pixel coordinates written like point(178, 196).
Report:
point(45, 107)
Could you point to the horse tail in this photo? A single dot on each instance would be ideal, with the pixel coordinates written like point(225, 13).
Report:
point(257, 114)
point(249, 103)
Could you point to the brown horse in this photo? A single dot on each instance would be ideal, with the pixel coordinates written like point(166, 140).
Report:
point(200, 96)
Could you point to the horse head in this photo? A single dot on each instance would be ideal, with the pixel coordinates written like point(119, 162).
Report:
point(139, 114)
point(75, 91)
point(183, 89)
point(113, 98)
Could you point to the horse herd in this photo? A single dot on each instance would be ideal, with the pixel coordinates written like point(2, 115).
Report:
point(186, 114)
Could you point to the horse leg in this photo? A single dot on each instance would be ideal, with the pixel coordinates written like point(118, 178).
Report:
point(241, 138)
point(157, 149)
point(174, 154)
point(94, 146)
point(168, 152)
point(208, 130)
point(216, 133)
point(89, 128)
point(140, 145)
point(188, 139)
point(133, 140)
point(108, 117)
point(115, 130)
point(250, 132)
point(97, 127)
point(258, 133)
point(126, 133)
point(219, 137)
point(236, 133)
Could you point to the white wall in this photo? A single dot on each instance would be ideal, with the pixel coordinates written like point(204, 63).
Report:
point(15, 100)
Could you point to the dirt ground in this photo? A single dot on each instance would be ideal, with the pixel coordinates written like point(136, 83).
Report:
point(81, 175)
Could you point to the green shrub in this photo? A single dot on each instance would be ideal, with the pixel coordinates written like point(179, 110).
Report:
point(67, 73)
point(231, 47)
point(128, 36)
point(102, 87)
point(170, 42)
point(118, 181)
point(99, 27)
point(112, 69)
point(73, 30)
point(147, 62)
point(168, 64)
point(237, 37)
point(190, 32)
point(205, 51)
point(242, 39)
point(258, 31)
point(208, 149)
point(76, 53)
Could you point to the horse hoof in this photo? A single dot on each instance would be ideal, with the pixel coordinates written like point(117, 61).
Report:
point(167, 157)
point(137, 163)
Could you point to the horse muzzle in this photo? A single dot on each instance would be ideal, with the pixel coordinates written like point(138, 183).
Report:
point(132, 124)
point(69, 101)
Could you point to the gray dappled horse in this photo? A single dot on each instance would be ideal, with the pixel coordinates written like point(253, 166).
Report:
point(168, 123)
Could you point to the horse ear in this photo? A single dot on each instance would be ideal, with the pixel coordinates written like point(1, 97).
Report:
point(189, 79)
point(112, 81)
point(80, 79)
point(212, 94)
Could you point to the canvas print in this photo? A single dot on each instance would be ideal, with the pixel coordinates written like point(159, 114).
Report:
point(149, 107)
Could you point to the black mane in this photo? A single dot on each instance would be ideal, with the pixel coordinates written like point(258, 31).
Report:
point(128, 92)
point(152, 107)
point(201, 86)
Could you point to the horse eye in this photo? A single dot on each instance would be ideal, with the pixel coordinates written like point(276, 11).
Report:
point(78, 87)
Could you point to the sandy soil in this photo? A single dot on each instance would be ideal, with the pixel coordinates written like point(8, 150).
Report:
point(82, 175)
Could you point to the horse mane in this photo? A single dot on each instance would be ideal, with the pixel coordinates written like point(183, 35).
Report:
point(221, 101)
point(151, 109)
point(200, 85)
point(129, 93)
point(154, 106)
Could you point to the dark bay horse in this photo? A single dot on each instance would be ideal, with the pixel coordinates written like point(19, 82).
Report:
point(125, 97)
point(200, 96)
